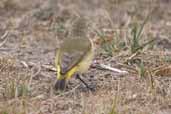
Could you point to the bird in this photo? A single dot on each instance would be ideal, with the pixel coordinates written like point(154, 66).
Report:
point(74, 56)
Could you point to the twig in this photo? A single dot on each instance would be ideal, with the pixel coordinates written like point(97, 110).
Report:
point(49, 67)
point(4, 38)
point(34, 74)
point(106, 67)
point(38, 70)
point(27, 65)
point(132, 56)
point(32, 64)
point(24, 64)
point(52, 68)
point(130, 68)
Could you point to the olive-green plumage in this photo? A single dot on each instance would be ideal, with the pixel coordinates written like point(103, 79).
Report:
point(74, 55)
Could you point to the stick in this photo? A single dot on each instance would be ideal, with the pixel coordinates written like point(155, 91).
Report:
point(4, 38)
point(112, 69)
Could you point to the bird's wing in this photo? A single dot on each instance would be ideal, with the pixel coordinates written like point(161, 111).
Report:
point(72, 51)
point(69, 60)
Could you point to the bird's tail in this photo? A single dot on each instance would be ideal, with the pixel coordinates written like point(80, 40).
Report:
point(60, 84)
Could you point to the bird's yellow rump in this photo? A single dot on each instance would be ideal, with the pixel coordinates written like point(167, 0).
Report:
point(74, 56)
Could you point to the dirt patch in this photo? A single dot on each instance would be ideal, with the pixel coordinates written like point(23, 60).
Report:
point(36, 28)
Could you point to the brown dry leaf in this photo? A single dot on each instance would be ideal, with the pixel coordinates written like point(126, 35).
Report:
point(163, 71)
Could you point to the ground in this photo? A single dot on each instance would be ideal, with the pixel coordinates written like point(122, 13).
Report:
point(33, 30)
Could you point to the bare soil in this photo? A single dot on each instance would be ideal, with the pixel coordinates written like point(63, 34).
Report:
point(36, 28)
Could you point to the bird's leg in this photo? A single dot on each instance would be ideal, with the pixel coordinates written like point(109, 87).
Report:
point(78, 77)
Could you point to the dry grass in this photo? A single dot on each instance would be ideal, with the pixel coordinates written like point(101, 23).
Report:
point(35, 31)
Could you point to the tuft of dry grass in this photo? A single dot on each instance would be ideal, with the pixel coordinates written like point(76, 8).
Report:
point(34, 34)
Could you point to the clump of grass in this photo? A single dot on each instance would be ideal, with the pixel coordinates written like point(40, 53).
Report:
point(110, 43)
point(104, 45)
point(13, 90)
point(167, 59)
point(113, 43)
point(14, 80)
point(18, 85)
point(113, 110)
point(136, 36)
point(141, 70)
point(115, 102)
point(135, 39)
